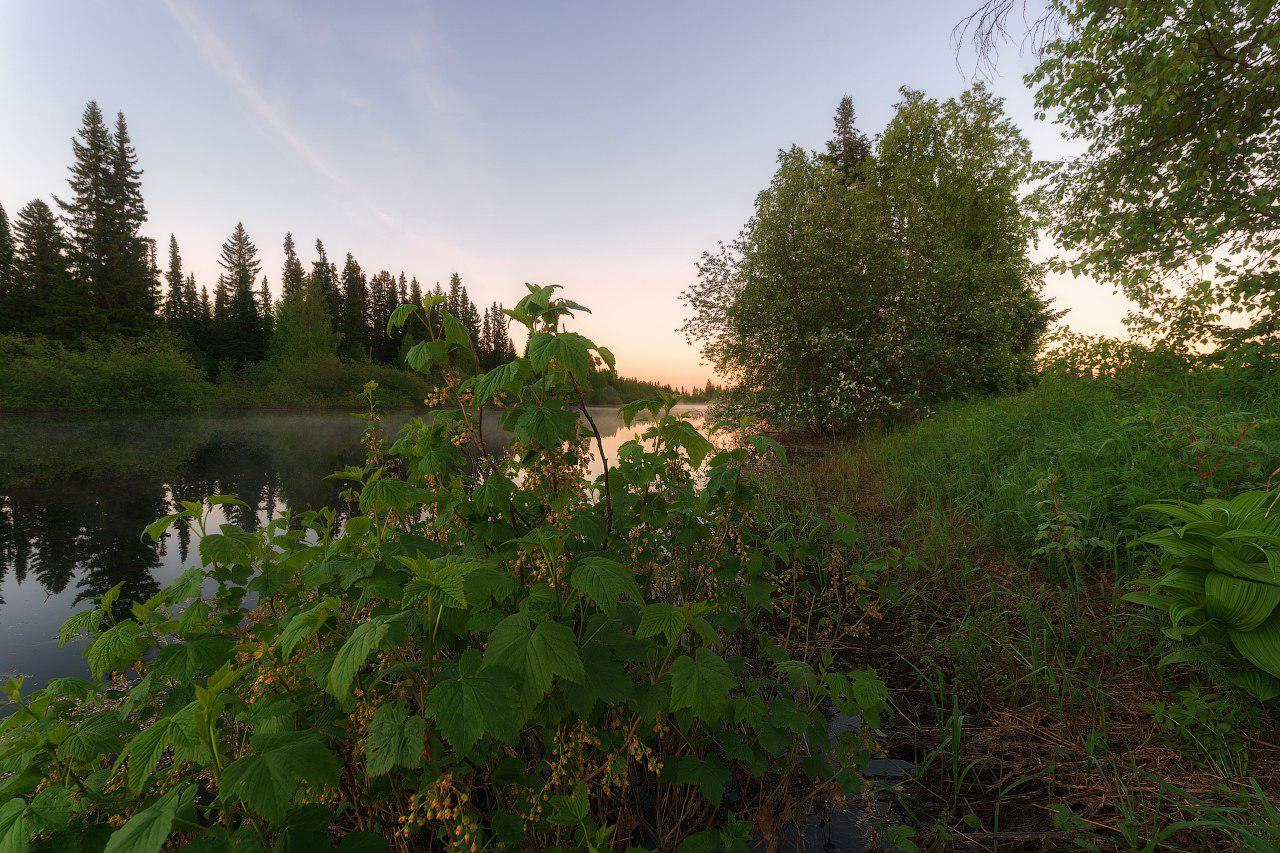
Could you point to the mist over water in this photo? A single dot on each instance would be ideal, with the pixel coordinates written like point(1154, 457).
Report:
point(76, 494)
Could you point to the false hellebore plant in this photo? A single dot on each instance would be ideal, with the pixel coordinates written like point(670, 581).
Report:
point(493, 652)
point(1221, 588)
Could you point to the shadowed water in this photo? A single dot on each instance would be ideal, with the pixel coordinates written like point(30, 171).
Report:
point(75, 496)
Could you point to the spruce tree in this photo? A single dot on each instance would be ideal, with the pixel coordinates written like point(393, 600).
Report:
point(484, 347)
point(204, 326)
point(191, 318)
point(266, 313)
point(848, 148)
point(136, 273)
point(502, 339)
point(221, 299)
point(291, 277)
point(415, 292)
point(302, 332)
point(174, 311)
point(355, 310)
point(111, 261)
point(91, 220)
point(454, 305)
point(464, 309)
point(241, 338)
point(383, 300)
point(6, 251)
point(43, 297)
point(6, 269)
point(325, 278)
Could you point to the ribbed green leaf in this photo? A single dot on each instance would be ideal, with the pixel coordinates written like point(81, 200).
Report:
point(1178, 510)
point(1261, 646)
point(1259, 685)
point(1243, 605)
point(1230, 561)
point(1183, 579)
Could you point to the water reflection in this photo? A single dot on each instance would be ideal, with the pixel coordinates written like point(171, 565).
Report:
point(76, 494)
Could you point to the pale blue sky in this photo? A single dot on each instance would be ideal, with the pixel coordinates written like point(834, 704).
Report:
point(599, 145)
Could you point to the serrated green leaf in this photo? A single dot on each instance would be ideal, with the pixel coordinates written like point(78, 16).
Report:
point(117, 647)
point(81, 622)
point(395, 739)
point(178, 732)
point(305, 624)
point(568, 350)
point(472, 701)
point(548, 424)
point(98, 736)
point(378, 633)
point(265, 781)
point(51, 809)
point(537, 654)
point(604, 581)
point(505, 378)
point(400, 316)
point(230, 546)
point(661, 618)
point(701, 684)
point(147, 830)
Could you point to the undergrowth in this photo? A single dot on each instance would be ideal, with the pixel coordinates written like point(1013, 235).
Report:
point(1025, 688)
point(491, 653)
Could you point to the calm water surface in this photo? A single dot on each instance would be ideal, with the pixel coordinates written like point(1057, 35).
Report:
point(76, 494)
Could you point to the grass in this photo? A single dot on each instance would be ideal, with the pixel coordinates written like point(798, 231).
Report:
point(1025, 689)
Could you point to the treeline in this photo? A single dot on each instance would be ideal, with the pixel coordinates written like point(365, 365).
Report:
point(880, 277)
point(87, 274)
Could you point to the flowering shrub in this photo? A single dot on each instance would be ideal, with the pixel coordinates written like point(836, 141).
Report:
point(492, 652)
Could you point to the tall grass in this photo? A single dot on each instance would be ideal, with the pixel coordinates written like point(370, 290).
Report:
point(1060, 472)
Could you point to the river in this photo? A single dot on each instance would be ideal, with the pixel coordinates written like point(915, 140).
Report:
point(75, 495)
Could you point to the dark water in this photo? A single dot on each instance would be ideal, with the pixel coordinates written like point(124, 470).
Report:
point(75, 496)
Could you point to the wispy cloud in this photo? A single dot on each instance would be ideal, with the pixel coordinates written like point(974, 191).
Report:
point(222, 59)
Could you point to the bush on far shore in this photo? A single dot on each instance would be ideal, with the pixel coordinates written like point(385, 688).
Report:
point(143, 373)
point(157, 373)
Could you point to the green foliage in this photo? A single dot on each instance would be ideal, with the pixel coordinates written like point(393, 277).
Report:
point(869, 282)
point(1173, 199)
point(1109, 446)
point(1221, 587)
point(1207, 727)
point(141, 373)
point(490, 650)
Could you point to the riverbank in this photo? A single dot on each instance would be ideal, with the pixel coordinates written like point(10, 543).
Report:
point(1025, 689)
point(153, 374)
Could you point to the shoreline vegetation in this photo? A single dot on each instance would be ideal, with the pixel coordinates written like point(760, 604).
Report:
point(156, 374)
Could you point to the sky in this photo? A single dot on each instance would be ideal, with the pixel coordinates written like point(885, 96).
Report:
point(602, 146)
